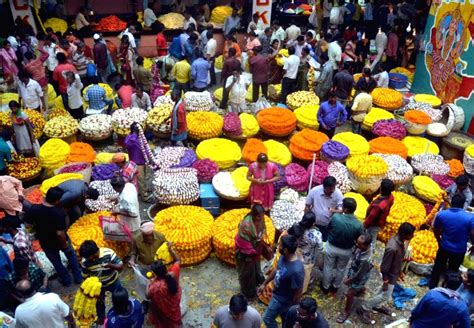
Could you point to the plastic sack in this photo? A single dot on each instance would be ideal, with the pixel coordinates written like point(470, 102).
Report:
point(261, 103)
point(140, 283)
point(421, 269)
point(115, 229)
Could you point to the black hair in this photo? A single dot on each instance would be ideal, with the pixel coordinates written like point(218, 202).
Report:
point(6, 42)
point(193, 37)
point(209, 34)
point(94, 79)
point(20, 263)
point(291, 50)
point(49, 29)
point(138, 87)
point(158, 28)
point(92, 193)
point(386, 187)
point(120, 301)
point(160, 271)
point(232, 51)
point(54, 194)
point(117, 86)
point(452, 280)
point(470, 279)
point(296, 230)
point(289, 243)
point(29, 55)
point(458, 200)
point(367, 238)
point(117, 182)
point(61, 57)
point(331, 94)
point(257, 49)
point(238, 304)
point(406, 229)
point(462, 180)
point(329, 182)
point(308, 220)
point(309, 304)
point(309, 33)
point(23, 74)
point(367, 71)
point(88, 248)
point(347, 64)
point(262, 158)
point(324, 56)
point(139, 60)
point(349, 204)
point(229, 37)
point(10, 222)
point(300, 38)
point(257, 210)
point(13, 103)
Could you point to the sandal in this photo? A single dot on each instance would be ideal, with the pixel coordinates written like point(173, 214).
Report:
point(342, 317)
point(364, 316)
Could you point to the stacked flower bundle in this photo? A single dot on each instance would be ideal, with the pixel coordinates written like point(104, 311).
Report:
point(302, 98)
point(206, 170)
point(356, 143)
point(189, 229)
point(198, 101)
point(427, 189)
point(320, 171)
point(249, 125)
point(111, 24)
point(362, 204)
point(419, 145)
point(297, 177)
point(24, 168)
point(443, 181)
point(81, 152)
point(306, 143)
point(428, 99)
point(388, 145)
point(366, 172)
point(430, 164)
point(225, 229)
point(106, 196)
point(96, 126)
point(57, 24)
point(204, 125)
point(232, 125)
point(307, 116)
point(389, 128)
point(223, 152)
point(37, 120)
point(57, 180)
point(340, 172)
point(375, 115)
point(334, 151)
point(172, 21)
point(455, 167)
point(252, 148)
point(122, 119)
point(277, 121)
point(425, 247)
point(387, 98)
point(176, 186)
point(277, 152)
point(399, 171)
point(61, 127)
point(219, 14)
point(53, 154)
point(56, 112)
point(104, 171)
point(158, 116)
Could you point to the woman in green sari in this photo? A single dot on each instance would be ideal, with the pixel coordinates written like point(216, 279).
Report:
point(248, 249)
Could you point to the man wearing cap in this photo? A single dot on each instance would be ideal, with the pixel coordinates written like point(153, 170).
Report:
point(145, 243)
point(128, 169)
point(100, 57)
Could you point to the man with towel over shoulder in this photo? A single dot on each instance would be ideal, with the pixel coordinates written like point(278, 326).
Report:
point(145, 243)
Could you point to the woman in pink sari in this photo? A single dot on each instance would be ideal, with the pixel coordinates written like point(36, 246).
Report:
point(262, 174)
point(7, 62)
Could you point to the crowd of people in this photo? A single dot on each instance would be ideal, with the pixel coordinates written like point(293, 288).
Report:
point(329, 244)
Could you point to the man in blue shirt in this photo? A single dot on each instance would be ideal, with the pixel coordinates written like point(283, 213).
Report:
point(288, 280)
point(6, 268)
point(75, 192)
point(5, 154)
point(331, 114)
point(200, 72)
point(96, 97)
point(452, 228)
point(441, 307)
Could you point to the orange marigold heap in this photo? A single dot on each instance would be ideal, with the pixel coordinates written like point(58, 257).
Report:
point(455, 168)
point(81, 152)
point(277, 121)
point(388, 145)
point(307, 142)
point(417, 117)
point(252, 148)
point(387, 98)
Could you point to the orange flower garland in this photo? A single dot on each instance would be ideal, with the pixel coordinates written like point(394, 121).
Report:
point(81, 152)
point(455, 168)
point(307, 142)
point(277, 121)
point(417, 117)
point(252, 148)
point(388, 145)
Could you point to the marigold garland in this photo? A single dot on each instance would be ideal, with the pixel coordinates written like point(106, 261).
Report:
point(250, 125)
point(367, 166)
point(388, 145)
point(252, 148)
point(277, 121)
point(225, 229)
point(223, 152)
point(302, 98)
point(425, 247)
point(362, 204)
point(277, 152)
point(204, 125)
point(375, 115)
point(57, 180)
point(455, 167)
point(189, 228)
point(306, 143)
point(427, 189)
point(239, 177)
point(306, 116)
point(81, 152)
point(356, 143)
point(387, 98)
point(428, 99)
point(53, 154)
point(417, 117)
point(419, 145)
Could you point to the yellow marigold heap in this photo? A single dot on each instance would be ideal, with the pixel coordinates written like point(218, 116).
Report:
point(37, 119)
point(239, 178)
point(204, 125)
point(189, 228)
point(425, 247)
point(405, 208)
point(375, 115)
point(277, 152)
point(163, 254)
point(57, 180)
point(85, 301)
point(6, 97)
point(250, 125)
point(225, 229)
point(281, 56)
point(57, 24)
point(419, 145)
point(220, 13)
point(158, 115)
point(307, 116)
point(362, 204)
point(302, 98)
point(470, 150)
point(387, 98)
point(172, 21)
point(428, 99)
point(56, 112)
point(106, 158)
point(61, 127)
point(88, 227)
point(223, 152)
point(58, 103)
point(367, 166)
point(53, 154)
point(356, 143)
point(5, 119)
point(51, 94)
point(427, 189)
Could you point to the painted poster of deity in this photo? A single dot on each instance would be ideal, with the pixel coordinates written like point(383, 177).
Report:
point(450, 37)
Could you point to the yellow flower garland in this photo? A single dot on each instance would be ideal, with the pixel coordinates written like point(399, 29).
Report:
point(418, 145)
point(277, 152)
point(425, 247)
point(362, 204)
point(223, 152)
point(356, 143)
point(204, 125)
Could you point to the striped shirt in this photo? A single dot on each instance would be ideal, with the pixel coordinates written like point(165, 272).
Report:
point(96, 268)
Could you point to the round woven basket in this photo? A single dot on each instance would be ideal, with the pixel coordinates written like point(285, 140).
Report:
point(98, 138)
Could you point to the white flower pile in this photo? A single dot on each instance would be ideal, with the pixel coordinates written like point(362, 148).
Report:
point(340, 172)
point(162, 100)
point(176, 186)
point(198, 101)
point(106, 196)
point(429, 164)
point(399, 171)
point(224, 185)
point(98, 125)
point(122, 119)
point(169, 156)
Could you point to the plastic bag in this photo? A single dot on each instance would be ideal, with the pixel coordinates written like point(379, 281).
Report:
point(421, 269)
point(114, 229)
point(140, 283)
point(261, 103)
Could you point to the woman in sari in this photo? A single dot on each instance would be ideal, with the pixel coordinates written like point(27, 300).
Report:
point(8, 62)
point(126, 60)
point(276, 71)
point(164, 294)
point(262, 174)
point(179, 127)
point(157, 89)
point(248, 249)
point(23, 129)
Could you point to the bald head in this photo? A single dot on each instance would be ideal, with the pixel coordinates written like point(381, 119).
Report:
point(24, 288)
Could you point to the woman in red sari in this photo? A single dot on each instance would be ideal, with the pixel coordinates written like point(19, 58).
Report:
point(164, 293)
point(262, 174)
point(126, 60)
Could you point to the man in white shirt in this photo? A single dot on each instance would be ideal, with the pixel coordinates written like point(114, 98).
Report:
point(141, 99)
point(299, 44)
point(81, 20)
point(293, 32)
point(381, 41)
point(127, 208)
point(335, 53)
point(50, 47)
point(382, 78)
point(74, 95)
point(237, 89)
point(290, 69)
point(255, 25)
point(131, 39)
point(278, 32)
point(327, 6)
point(210, 53)
point(188, 20)
point(41, 310)
point(149, 16)
point(30, 92)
